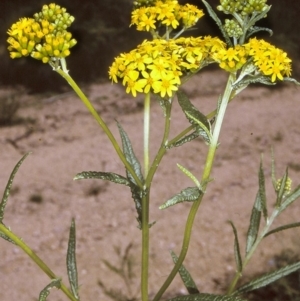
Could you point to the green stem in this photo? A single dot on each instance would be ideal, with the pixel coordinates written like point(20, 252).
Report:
point(145, 246)
point(204, 180)
point(35, 258)
point(146, 132)
point(100, 121)
point(145, 206)
point(249, 255)
point(162, 150)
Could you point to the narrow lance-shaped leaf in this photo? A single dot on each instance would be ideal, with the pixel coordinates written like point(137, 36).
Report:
point(262, 190)
point(190, 194)
point(190, 175)
point(219, 23)
point(237, 252)
point(186, 277)
point(273, 174)
point(109, 176)
point(290, 198)
point(71, 260)
point(281, 191)
point(203, 131)
point(255, 29)
point(186, 138)
point(290, 79)
point(268, 278)
point(130, 155)
point(192, 113)
point(281, 228)
point(254, 223)
point(46, 291)
point(207, 297)
point(8, 186)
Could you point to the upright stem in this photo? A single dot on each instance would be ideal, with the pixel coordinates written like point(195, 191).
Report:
point(145, 246)
point(101, 122)
point(204, 180)
point(249, 255)
point(146, 197)
point(146, 133)
point(19, 242)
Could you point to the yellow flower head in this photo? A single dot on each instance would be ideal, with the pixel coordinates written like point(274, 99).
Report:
point(231, 59)
point(270, 61)
point(157, 66)
point(45, 37)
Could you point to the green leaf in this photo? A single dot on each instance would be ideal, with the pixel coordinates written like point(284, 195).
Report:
point(262, 190)
point(71, 261)
point(268, 278)
point(237, 253)
point(281, 228)
point(193, 115)
point(207, 297)
point(46, 291)
point(281, 191)
point(137, 195)
point(252, 79)
point(190, 175)
point(186, 277)
point(8, 187)
point(130, 156)
point(255, 29)
point(190, 194)
point(290, 79)
point(273, 174)
point(202, 130)
point(109, 176)
point(254, 223)
point(186, 138)
point(219, 23)
point(290, 198)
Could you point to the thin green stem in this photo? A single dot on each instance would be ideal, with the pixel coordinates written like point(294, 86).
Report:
point(249, 255)
point(146, 132)
point(19, 242)
point(163, 146)
point(204, 180)
point(145, 246)
point(100, 121)
point(145, 206)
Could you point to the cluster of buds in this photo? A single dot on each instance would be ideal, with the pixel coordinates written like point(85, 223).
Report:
point(144, 3)
point(233, 29)
point(44, 37)
point(242, 7)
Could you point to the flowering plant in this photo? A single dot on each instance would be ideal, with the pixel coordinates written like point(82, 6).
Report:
point(159, 67)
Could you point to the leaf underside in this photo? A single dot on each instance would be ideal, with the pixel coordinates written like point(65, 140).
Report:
point(207, 297)
point(186, 277)
point(71, 260)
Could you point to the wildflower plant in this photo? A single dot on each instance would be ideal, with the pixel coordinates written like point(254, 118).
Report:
point(159, 67)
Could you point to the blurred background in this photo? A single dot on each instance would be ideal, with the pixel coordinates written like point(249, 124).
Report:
point(102, 31)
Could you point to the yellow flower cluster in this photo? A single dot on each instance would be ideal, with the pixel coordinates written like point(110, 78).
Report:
point(231, 59)
point(157, 66)
point(44, 37)
point(166, 13)
point(270, 60)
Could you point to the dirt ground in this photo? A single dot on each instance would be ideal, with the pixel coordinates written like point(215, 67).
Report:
point(65, 139)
